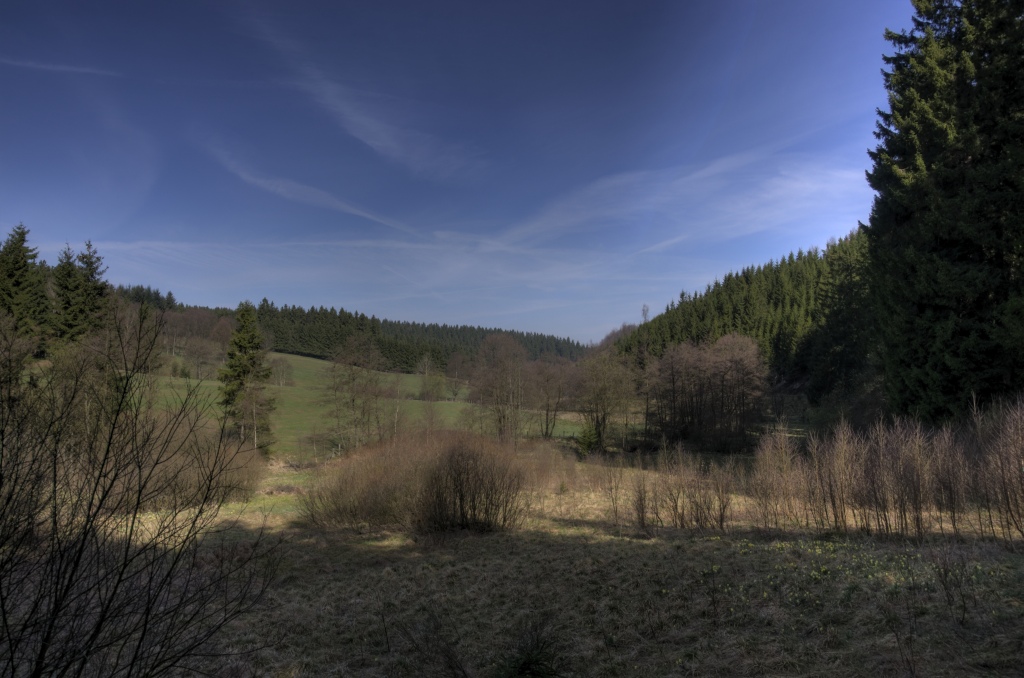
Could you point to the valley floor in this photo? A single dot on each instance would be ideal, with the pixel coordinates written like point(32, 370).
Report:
point(580, 593)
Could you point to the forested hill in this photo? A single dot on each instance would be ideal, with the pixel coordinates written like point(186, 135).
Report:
point(466, 339)
point(321, 332)
point(795, 308)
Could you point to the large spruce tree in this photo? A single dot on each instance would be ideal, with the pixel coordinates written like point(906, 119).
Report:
point(23, 284)
point(79, 292)
point(243, 380)
point(946, 234)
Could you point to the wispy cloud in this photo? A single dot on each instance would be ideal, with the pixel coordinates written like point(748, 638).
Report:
point(60, 68)
point(651, 211)
point(301, 193)
point(372, 119)
point(648, 200)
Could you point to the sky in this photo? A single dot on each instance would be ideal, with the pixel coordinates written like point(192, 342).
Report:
point(542, 166)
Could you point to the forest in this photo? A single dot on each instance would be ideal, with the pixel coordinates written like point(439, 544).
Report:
point(814, 464)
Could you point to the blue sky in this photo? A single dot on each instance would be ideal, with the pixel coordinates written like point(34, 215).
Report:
point(542, 166)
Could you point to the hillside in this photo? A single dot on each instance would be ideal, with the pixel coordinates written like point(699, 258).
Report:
point(806, 311)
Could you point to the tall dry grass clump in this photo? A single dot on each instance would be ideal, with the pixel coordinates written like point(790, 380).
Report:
point(427, 484)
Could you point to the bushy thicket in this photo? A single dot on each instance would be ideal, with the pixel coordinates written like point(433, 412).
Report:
point(899, 479)
point(442, 483)
point(712, 395)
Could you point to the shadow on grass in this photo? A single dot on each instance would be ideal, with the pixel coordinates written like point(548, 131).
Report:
point(589, 600)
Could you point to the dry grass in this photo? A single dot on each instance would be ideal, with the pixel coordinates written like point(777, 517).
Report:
point(620, 570)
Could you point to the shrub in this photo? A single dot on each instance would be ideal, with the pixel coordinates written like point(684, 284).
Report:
point(775, 480)
point(429, 485)
point(538, 649)
point(373, 488)
point(471, 486)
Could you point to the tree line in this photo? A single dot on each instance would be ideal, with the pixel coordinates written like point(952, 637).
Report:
point(923, 306)
point(196, 337)
point(320, 332)
point(51, 304)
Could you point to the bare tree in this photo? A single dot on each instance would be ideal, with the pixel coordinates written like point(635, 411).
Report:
point(605, 391)
point(355, 394)
point(709, 393)
point(457, 374)
point(281, 371)
point(499, 383)
point(549, 390)
point(110, 562)
point(431, 379)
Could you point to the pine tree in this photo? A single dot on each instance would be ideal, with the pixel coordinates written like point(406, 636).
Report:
point(243, 379)
point(945, 235)
point(79, 292)
point(23, 284)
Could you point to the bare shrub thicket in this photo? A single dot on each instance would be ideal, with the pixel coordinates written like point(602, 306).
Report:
point(110, 558)
point(447, 482)
point(676, 490)
point(708, 394)
point(898, 479)
point(774, 485)
point(471, 487)
point(375, 487)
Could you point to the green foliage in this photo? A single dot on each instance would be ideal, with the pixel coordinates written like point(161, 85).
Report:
point(144, 294)
point(809, 314)
point(61, 303)
point(775, 304)
point(945, 235)
point(842, 339)
point(587, 441)
point(79, 292)
point(23, 284)
point(243, 379)
point(321, 332)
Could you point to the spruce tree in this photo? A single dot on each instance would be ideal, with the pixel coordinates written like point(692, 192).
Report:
point(23, 284)
point(946, 236)
point(243, 379)
point(79, 292)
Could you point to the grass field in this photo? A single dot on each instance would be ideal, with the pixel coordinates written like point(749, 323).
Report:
point(596, 598)
point(300, 411)
point(580, 590)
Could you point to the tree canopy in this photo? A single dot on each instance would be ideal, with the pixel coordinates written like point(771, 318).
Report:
point(945, 234)
point(243, 378)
